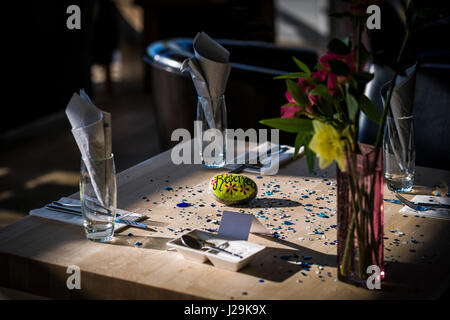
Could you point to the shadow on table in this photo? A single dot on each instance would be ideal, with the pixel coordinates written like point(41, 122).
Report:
point(268, 203)
point(279, 264)
point(146, 242)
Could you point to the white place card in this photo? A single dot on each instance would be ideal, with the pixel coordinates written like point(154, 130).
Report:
point(239, 225)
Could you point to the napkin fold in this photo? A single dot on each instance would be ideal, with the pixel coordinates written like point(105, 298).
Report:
point(209, 68)
point(438, 213)
point(91, 128)
point(402, 102)
point(78, 220)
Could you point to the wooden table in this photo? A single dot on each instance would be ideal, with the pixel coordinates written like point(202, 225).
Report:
point(35, 252)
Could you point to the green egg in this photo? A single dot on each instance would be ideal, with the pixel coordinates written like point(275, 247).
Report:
point(231, 188)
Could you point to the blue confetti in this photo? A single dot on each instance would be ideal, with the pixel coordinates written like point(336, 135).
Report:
point(168, 188)
point(183, 204)
point(393, 201)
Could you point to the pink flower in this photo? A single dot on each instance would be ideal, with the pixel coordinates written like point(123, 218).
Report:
point(333, 80)
point(289, 111)
point(289, 97)
point(320, 74)
point(332, 83)
point(347, 58)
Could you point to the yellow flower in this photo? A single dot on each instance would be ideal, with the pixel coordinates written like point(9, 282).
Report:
point(328, 145)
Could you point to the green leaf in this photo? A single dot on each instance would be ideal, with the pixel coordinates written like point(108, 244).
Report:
point(352, 105)
point(303, 139)
point(297, 92)
point(327, 107)
point(320, 90)
point(369, 109)
point(302, 66)
point(310, 158)
point(337, 46)
point(339, 67)
point(292, 125)
point(299, 141)
point(294, 75)
point(363, 76)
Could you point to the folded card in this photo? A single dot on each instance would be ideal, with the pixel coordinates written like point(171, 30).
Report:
point(239, 225)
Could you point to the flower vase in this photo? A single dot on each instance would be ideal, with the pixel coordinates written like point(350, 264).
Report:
point(360, 217)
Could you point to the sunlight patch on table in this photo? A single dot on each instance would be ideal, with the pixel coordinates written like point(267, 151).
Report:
point(63, 178)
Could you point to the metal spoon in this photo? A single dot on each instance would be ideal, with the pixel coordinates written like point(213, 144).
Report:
point(193, 243)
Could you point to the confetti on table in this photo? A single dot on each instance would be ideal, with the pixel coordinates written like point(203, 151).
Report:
point(183, 204)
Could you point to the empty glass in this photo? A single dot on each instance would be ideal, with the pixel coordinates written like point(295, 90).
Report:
point(399, 153)
point(98, 193)
point(212, 117)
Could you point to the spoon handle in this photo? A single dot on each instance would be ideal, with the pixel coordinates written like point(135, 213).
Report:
point(223, 250)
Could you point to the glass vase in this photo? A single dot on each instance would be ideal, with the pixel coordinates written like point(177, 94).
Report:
point(98, 195)
point(399, 153)
point(212, 124)
point(360, 217)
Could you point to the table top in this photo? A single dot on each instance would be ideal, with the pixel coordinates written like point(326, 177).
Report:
point(35, 252)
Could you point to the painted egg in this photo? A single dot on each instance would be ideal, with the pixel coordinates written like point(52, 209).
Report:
point(230, 188)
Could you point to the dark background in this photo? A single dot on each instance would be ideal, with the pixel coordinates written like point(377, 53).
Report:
point(44, 63)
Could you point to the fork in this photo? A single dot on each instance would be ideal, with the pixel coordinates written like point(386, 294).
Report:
point(421, 205)
point(411, 204)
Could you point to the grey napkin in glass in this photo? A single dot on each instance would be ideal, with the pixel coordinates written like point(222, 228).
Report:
point(91, 128)
point(209, 68)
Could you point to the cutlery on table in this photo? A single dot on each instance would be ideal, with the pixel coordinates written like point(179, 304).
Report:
point(77, 212)
point(193, 243)
point(258, 164)
point(421, 206)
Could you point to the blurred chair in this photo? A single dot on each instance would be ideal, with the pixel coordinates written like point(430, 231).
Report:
point(431, 113)
point(251, 94)
point(225, 19)
point(432, 91)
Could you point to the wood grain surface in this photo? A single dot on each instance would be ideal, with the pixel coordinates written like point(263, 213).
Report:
point(35, 252)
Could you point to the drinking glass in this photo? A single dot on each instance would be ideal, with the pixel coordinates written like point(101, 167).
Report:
point(212, 119)
point(399, 153)
point(98, 193)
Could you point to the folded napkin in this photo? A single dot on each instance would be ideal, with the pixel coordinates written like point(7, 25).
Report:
point(434, 213)
point(278, 159)
point(209, 68)
point(78, 220)
point(91, 129)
